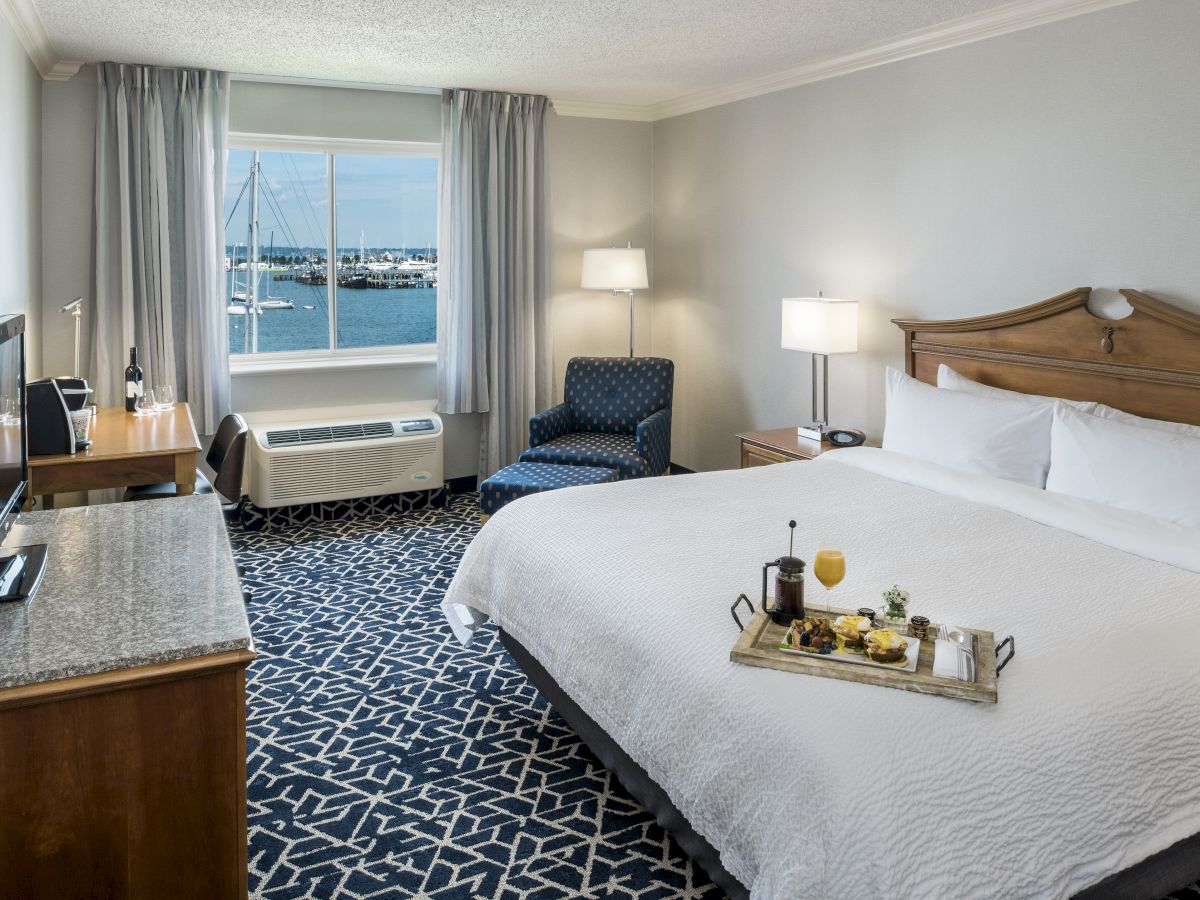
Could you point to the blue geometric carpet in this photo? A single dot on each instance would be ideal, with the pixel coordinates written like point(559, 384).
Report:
point(386, 760)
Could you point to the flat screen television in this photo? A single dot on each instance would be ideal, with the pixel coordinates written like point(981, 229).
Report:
point(20, 567)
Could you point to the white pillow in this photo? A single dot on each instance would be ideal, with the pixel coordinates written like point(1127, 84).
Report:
point(1140, 469)
point(1116, 415)
point(952, 381)
point(984, 435)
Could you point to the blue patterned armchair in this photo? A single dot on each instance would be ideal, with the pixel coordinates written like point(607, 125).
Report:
point(616, 413)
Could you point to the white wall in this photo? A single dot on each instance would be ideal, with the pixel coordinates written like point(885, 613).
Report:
point(963, 182)
point(20, 191)
point(599, 194)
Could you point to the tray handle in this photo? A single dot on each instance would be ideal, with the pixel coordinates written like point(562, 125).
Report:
point(1012, 651)
point(733, 610)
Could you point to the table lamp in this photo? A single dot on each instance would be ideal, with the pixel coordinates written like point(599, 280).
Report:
point(621, 270)
point(819, 326)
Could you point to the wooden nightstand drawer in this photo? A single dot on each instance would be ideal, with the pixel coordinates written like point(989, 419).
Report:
point(765, 448)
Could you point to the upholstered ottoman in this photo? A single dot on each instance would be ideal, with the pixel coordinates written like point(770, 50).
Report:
point(523, 478)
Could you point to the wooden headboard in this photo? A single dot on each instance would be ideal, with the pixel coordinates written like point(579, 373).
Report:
point(1147, 363)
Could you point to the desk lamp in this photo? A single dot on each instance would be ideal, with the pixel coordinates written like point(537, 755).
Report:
point(820, 326)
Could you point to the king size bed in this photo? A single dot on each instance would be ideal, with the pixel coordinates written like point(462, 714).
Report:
point(1083, 780)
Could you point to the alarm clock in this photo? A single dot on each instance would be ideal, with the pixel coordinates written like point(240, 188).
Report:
point(844, 437)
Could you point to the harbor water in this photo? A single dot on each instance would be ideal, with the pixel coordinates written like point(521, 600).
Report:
point(367, 317)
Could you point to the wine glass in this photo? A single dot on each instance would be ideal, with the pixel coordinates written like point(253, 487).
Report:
point(829, 566)
point(166, 396)
point(145, 405)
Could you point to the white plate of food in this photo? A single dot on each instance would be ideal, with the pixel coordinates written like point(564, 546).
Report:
point(851, 639)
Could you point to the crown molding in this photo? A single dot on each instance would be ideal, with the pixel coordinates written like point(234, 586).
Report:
point(598, 109)
point(62, 70)
point(30, 30)
point(1016, 16)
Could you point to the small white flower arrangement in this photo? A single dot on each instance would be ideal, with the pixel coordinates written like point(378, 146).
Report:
point(896, 603)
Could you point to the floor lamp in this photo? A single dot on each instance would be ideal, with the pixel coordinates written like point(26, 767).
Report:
point(819, 326)
point(621, 270)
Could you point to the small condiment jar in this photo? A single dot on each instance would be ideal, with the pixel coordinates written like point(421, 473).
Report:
point(918, 627)
point(867, 613)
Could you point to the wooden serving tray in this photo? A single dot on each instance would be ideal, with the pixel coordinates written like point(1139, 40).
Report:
point(758, 645)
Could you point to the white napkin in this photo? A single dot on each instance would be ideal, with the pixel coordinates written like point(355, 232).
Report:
point(945, 660)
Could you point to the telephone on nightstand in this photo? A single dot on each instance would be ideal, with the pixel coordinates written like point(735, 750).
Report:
point(844, 437)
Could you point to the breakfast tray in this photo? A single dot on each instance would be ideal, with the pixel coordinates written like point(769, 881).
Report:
point(758, 645)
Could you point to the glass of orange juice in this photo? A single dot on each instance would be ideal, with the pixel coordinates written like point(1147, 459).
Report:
point(829, 566)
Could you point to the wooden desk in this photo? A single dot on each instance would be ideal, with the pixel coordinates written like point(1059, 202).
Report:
point(126, 451)
point(762, 448)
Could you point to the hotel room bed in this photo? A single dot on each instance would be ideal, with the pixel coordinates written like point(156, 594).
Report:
point(1083, 780)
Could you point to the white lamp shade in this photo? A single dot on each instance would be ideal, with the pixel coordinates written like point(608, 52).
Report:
point(820, 325)
point(615, 269)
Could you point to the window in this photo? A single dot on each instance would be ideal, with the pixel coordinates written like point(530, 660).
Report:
point(330, 250)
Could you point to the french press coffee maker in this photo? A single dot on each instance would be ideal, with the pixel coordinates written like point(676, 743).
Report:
point(789, 585)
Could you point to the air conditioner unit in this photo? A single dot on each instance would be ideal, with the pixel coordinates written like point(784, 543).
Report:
point(294, 462)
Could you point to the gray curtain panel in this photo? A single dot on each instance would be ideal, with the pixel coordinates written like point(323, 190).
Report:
point(159, 234)
point(493, 311)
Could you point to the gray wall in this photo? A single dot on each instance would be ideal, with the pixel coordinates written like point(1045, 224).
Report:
point(20, 191)
point(599, 185)
point(68, 142)
point(963, 182)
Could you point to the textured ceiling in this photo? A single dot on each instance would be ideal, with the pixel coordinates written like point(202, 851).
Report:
point(615, 51)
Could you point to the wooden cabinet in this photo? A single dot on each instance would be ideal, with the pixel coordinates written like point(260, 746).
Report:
point(126, 784)
point(764, 448)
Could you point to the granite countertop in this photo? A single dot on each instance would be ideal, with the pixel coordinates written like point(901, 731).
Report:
point(126, 584)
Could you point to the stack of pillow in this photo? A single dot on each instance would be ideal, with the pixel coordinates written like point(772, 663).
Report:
point(1085, 450)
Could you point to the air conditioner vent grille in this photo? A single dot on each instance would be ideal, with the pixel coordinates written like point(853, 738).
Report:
point(326, 434)
point(363, 471)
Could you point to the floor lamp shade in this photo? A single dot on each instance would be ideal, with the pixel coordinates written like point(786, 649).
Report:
point(621, 270)
point(819, 325)
point(615, 269)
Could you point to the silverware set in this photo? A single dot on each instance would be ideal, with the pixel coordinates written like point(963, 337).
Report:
point(966, 658)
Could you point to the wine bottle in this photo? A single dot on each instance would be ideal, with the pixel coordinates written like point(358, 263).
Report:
point(133, 381)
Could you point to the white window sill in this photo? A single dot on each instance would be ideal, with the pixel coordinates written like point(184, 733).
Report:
point(324, 361)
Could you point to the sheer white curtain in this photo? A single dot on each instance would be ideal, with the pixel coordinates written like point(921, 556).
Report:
point(493, 318)
point(159, 235)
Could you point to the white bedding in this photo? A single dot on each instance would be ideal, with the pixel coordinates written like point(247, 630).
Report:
point(814, 788)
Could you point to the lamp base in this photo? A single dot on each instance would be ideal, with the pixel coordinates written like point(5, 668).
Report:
point(812, 432)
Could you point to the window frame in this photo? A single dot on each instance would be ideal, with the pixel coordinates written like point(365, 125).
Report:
point(332, 357)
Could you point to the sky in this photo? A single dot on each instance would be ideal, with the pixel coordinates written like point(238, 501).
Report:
point(392, 200)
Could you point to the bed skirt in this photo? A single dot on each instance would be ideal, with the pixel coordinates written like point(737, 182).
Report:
point(1173, 869)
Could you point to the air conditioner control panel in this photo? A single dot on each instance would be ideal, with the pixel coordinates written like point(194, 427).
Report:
point(417, 426)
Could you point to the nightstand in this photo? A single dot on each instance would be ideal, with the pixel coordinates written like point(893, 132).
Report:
point(762, 448)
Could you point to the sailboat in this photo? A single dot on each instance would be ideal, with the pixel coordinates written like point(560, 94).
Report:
point(246, 302)
point(273, 302)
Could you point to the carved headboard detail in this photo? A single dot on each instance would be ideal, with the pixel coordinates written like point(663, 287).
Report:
point(1147, 363)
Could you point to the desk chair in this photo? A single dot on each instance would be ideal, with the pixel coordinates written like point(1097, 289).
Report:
point(225, 457)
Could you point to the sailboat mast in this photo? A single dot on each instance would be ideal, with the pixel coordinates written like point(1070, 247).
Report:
point(252, 262)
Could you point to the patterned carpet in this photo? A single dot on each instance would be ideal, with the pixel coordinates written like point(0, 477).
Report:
point(388, 761)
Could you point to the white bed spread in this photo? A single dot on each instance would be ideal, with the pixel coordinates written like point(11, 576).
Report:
point(813, 788)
